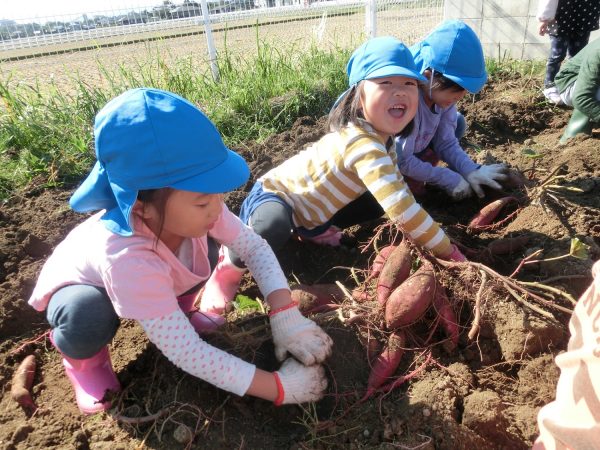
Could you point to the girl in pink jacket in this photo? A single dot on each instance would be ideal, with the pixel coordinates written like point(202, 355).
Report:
point(161, 171)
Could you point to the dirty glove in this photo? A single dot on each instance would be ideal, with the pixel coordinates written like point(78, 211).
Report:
point(294, 333)
point(456, 255)
point(488, 176)
point(297, 383)
point(461, 190)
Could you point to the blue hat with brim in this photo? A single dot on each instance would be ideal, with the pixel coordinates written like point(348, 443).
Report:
point(454, 50)
point(378, 58)
point(152, 139)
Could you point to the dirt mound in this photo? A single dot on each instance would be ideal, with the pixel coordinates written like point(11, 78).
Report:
point(483, 394)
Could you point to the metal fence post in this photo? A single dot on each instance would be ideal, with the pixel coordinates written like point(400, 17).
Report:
point(371, 18)
point(212, 52)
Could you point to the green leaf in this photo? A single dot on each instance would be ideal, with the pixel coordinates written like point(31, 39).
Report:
point(579, 249)
point(531, 153)
point(244, 302)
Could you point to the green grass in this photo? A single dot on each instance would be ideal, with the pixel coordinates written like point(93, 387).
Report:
point(46, 134)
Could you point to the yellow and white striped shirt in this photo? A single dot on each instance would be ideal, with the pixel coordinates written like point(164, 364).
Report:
point(339, 168)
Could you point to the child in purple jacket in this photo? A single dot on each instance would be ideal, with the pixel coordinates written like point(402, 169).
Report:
point(451, 58)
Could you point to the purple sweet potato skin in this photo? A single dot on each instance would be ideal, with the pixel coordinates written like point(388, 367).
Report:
point(489, 212)
point(388, 360)
point(506, 246)
point(447, 317)
point(410, 300)
point(395, 270)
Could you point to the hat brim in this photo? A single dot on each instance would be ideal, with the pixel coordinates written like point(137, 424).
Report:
point(396, 71)
point(98, 192)
point(473, 85)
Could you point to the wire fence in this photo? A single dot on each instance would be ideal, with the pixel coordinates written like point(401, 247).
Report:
point(41, 49)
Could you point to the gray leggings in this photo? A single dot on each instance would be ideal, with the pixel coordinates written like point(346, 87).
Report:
point(84, 320)
point(273, 220)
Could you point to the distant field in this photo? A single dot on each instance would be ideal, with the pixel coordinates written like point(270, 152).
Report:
point(238, 38)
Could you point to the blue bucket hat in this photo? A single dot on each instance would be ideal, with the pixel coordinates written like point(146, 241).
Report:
point(151, 139)
point(378, 58)
point(454, 50)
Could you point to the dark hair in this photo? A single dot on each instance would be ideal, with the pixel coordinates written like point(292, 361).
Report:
point(348, 110)
point(158, 198)
point(439, 81)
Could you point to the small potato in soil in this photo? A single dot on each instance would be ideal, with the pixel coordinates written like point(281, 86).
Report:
point(312, 297)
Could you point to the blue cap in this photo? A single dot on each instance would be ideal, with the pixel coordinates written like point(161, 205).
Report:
point(378, 58)
point(151, 139)
point(454, 50)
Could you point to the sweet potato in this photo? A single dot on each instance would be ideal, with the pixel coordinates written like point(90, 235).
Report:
point(380, 260)
point(410, 300)
point(447, 317)
point(22, 381)
point(387, 362)
point(395, 270)
point(312, 297)
point(506, 246)
point(489, 212)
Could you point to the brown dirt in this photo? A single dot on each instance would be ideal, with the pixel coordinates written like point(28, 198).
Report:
point(484, 394)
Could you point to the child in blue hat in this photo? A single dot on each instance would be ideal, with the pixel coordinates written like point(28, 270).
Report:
point(451, 59)
point(350, 175)
point(161, 171)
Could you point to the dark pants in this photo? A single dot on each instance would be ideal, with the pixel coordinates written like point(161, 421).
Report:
point(83, 319)
point(273, 220)
point(559, 47)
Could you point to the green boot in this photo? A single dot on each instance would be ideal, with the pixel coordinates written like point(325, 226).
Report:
point(579, 123)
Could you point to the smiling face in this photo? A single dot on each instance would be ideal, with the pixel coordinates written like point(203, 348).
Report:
point(185, 215)
point(390, 103)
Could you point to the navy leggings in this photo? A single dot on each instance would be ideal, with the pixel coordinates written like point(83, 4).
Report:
point(84, 320)
point(559, 47)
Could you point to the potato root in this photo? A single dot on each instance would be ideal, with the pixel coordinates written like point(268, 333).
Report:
point(409, 301)
point(387, 362)
point(395, 270)
point(22, 381)
point(312, 298)
point(489, 212)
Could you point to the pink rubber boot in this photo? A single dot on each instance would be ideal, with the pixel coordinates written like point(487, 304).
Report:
point(221, 287)
point(203, 322)
point(91, 378)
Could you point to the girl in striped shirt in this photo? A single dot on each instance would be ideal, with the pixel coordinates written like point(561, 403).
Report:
point(349, 176)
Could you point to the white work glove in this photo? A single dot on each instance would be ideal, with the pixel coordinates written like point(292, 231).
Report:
point(304, 339)
point(461, 190)
point(300, 383)
point(488, 176)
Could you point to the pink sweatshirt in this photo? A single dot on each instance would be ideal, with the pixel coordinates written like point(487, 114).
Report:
point(572, 421)
point(143, 279)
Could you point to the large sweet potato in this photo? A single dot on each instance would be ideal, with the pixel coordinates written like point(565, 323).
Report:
point(506, 246)
point(380, 260)
point(311, 298)
point(489, 212)
point(22, 381)
point(395, 270)
point(410, 300)
point(387, 362)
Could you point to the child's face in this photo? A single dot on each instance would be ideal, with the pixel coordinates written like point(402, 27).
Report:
point(444, 98)
point(186, 215)
point(390, 103)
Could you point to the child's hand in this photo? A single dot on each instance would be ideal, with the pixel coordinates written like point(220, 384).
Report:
point(461, 190)
point(544, 25)
point(294, 333)
point(299, 383)
point(488, 176)
point(456, 255)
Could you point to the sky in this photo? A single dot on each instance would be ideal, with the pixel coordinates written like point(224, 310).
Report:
point(64, 10)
